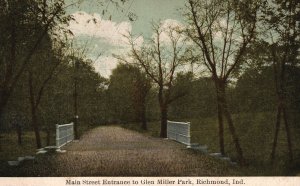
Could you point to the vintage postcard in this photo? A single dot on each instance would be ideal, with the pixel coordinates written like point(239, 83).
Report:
point(149, 92)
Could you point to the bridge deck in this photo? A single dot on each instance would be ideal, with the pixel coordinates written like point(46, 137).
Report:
point(114, 151)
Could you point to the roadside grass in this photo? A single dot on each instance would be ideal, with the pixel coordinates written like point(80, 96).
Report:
point(256, 132)
point(10, 149)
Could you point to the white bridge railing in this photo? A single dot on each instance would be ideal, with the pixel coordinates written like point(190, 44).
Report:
point(179, 131)
point(64, 134)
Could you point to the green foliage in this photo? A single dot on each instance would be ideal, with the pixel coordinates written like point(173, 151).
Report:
point(199, 98)
point(56, 105)
point(27, 32)
point(127, 93)
point(59, 99)
point(255, 90)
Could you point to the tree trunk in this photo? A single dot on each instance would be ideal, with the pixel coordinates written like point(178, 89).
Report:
point(36, 128)
point(19, 133)
point(231, 126)
point(288, 133)
point(277, 127)
point(234, 136)
point(4, 96)
point(281, 110)
point(163, 112)
point(33, 113)
point(221, 129)
point(164, 120)
point(280, 87)
point(220, 119)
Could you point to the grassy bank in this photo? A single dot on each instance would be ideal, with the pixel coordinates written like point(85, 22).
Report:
point(11, 150)
point(256, 132)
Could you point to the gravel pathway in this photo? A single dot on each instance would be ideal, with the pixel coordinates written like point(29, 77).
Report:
point(115, 151)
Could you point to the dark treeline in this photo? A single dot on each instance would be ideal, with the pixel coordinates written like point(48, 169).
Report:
point(252, 92)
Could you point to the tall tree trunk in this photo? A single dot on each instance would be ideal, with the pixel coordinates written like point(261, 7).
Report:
point(19, 134)
point(220, 119)
point(277, 127)
point(33, 113)
point(279, 78)
point(163, 112)
point(281, 110)
point(232, 130)
point(164, 120)
point(288, 133)
point(221, 129)
point(36, 128)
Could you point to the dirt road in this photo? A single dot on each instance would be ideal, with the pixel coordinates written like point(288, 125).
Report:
point(114, 151)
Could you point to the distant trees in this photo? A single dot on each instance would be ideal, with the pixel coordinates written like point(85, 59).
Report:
point(127, 92)
point(161, 58)
point(142, 87)
point(254, 90)
point(198, 101)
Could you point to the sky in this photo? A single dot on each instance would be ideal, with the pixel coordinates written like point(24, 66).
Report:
point(100, 27)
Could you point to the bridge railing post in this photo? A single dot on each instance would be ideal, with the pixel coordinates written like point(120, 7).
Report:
point(179, 131)
point(64, 134)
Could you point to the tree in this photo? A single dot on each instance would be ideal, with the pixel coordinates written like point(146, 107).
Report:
point(182, 86)
point(254, 90)
point(142, 86)
point(40, 71)
point(24, 25)
point(161, 58)
point(222, 30)
point(199, 94)
point(128, 90)
point(90, 86)
point(57, 103)
point(281, 19)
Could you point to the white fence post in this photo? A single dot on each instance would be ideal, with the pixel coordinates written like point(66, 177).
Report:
point(179, 131)
point(57, 135)
point(64, 134)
